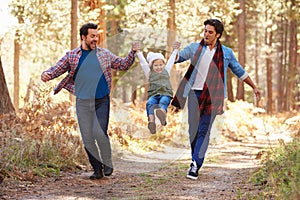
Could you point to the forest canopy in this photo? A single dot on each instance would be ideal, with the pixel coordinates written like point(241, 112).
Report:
point(264, 36)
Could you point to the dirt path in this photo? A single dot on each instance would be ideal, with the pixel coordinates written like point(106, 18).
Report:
point(157, 175)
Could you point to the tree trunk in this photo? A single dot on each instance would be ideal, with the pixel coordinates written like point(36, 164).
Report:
point(229, 75)
point(280, 66)
point(241, 46)
point(298, 83)
point(256, 52)
point(114, 42)
point(6, 105)
point(133, 94)
point(102, 41)
point(292, 59)
point(285, 67)
point(269, 36)
point(171, 28)
point(229, 86)
point(74, 23)
point(114, 31)
point(256, 59)
point(17, 49)
point(95, 4)
point(74, 32)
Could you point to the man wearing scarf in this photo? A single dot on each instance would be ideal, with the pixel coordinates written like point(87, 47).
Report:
point(204, 86)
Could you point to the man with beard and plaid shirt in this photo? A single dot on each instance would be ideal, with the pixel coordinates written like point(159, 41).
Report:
point(88, 71)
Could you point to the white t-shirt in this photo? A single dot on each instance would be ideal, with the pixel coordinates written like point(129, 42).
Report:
point(203, 69)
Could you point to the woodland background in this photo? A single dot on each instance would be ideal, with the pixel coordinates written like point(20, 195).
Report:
point(263, 34)
point(38, 131)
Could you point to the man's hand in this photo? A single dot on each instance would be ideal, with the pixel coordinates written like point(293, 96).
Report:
point(174, 109)
point(46, 76)
point(136, 45)
point(257, 94)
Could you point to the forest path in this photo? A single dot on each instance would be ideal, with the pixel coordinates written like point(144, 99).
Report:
point(158, 175)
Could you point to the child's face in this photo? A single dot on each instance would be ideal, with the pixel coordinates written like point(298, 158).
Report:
point(158, 65)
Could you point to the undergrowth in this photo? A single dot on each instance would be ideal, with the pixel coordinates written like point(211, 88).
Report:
point(279, 175)
point(40, 140)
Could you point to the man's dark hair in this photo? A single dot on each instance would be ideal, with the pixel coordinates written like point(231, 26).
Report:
point(217, 24)
point(84, 29)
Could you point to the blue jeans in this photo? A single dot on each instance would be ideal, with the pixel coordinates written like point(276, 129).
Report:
point(199, 128)
point(93, 118)
point(157, 101)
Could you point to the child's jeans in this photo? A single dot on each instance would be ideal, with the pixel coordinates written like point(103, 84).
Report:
point(157, 101)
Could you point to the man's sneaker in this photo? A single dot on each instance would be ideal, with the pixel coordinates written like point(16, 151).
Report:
point(161, 115)
point(98, 174)
point(107, 170)
point(193, 171)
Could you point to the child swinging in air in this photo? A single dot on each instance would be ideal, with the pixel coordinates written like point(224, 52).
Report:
point(160, 90)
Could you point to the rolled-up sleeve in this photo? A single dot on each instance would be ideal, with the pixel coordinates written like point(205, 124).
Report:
point(187, 53)
point(234, 65)
point(122, 63)
point(60, 67)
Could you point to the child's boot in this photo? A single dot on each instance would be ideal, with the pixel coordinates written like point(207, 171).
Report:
point(151, 124)
point(161, 115)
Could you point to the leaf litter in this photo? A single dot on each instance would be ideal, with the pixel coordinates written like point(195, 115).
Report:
point(146, 166)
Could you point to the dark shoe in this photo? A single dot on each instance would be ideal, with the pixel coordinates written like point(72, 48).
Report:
point(96, 175)
point(193, 171)
point(161, 115)
point(108, 170)
point(152, 127)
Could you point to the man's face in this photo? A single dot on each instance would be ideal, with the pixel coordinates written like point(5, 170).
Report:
point(91, 39)
point(210, 35)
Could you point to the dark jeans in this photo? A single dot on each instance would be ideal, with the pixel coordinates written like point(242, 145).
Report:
point(93, 118)
point(199, 128)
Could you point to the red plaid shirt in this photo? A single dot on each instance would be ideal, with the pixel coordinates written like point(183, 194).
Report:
point(212, 97)
point(69, 62)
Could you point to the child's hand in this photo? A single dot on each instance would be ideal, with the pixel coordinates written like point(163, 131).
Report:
point(136, 46)
point(176, 45)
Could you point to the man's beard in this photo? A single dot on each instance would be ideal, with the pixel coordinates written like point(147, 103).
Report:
point(89, 46)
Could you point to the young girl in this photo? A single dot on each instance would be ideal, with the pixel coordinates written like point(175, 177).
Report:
point(160, 91)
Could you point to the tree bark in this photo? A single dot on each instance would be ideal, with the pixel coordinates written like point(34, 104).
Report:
point(280, 66)
point(17, 49)
point(74, 23)
point(171, 28)
point(6, 105)
point(268, 42)
point(241, 46)
point(285, 67)
point(269, 77)
point(95, 4)
point(114, 31)
point(229, 86)
point(74, 32)
point(292, 60)
point(229, 75)
point(102, 41)
point(256, 52)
